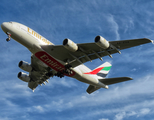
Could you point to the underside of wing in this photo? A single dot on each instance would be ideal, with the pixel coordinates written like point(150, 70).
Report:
point(124, 44)
point(89, 51)
point(109, 81)
point(39, 73)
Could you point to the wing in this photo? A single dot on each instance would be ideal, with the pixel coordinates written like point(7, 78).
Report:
point(40, 73)
point(107, 81)
point(92, 89)
point(90, 51)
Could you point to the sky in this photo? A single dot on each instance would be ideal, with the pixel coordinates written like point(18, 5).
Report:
point(80, 21)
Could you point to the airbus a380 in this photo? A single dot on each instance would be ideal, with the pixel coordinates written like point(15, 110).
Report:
point(48, 60)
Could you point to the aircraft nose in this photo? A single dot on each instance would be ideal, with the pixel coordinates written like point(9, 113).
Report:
point(5, 26)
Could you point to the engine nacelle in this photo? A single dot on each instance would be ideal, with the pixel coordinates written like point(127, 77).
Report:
point(23, 76)
point(70, 45)
point(102, 42)
point(25, 66)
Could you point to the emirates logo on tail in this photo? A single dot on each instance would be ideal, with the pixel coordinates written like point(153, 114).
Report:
point(103, 70)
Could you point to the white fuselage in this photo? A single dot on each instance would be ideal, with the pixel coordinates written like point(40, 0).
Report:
point(33, 41)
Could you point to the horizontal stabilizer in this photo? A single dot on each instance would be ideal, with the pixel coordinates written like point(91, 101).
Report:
point(92, 89)
point(107, 81)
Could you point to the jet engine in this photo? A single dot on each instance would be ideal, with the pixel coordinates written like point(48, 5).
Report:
point(102, 42)
point(23, 76)
point(70, 45)
point(25, 66)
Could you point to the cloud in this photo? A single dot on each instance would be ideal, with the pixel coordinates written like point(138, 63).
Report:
point(38, 109)
point(120, 116)
point(4, 118)
point(104, 119)
point(145, 111)
point(120, 95)
point(114, 26)
point(63, 82)
point(138, 114)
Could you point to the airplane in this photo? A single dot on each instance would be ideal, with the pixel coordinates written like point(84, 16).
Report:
point(48, 60)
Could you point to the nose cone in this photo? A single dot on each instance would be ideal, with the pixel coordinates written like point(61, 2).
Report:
point(5, 26)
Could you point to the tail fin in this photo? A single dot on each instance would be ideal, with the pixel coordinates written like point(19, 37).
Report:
point(101, 71)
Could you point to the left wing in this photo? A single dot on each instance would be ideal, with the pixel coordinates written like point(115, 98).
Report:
point(90, 51)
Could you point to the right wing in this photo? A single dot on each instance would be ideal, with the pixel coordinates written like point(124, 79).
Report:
point(90, 51)
point(107, 81)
